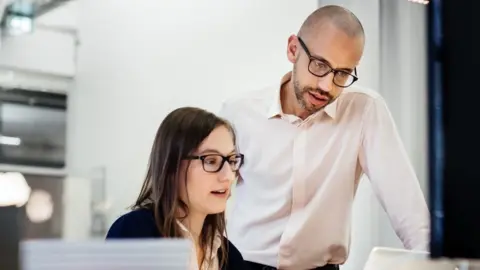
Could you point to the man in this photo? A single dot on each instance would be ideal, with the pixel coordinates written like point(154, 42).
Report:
point(307, 141)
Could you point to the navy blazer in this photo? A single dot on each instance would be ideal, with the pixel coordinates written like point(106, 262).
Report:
point(141, 224)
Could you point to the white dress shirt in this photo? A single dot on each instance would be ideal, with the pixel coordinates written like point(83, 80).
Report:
point(293, 204)
point(211, 261)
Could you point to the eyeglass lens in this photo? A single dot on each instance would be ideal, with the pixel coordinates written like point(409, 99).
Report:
point(214, 163)
point(320, 69)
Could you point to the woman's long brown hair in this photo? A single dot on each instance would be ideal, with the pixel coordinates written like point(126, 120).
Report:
point(181, 132)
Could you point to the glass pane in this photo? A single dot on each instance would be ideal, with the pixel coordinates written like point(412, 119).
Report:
point(32, 134)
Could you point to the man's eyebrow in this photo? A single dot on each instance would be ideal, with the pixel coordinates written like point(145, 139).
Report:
point(345, 69)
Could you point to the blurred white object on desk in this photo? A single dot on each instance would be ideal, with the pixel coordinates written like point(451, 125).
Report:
point(400, 259)
point(165, 254)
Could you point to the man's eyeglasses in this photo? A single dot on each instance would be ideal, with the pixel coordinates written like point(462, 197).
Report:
point(214, 162)
point(321, 68)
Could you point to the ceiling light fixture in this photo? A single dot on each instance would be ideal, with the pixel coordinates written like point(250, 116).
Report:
point(14, 189)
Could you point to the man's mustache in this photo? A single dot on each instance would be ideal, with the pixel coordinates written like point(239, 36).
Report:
point(320, 91)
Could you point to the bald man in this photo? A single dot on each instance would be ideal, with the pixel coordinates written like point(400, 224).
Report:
point(307, 141)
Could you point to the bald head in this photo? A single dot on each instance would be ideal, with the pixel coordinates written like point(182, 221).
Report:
point(330, 39)
point(341, 18)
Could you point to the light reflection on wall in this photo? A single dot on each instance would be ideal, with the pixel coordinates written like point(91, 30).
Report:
point(40, 206)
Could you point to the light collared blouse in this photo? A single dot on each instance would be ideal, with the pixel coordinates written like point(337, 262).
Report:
point(211, 262)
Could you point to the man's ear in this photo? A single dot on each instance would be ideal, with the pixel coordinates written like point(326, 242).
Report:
point(292, 49)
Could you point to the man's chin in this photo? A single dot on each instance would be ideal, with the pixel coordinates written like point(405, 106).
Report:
point(314, 109)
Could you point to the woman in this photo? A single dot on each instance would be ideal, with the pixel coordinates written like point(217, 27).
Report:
point(192, 166)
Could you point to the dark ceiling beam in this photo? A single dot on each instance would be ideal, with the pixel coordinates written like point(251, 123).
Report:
point(45, 8)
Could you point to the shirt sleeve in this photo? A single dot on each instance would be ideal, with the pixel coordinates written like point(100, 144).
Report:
point(384, 160)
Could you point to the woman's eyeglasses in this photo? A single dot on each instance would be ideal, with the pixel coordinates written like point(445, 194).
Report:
point(214, 162)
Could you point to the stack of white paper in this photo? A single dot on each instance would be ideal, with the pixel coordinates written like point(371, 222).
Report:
point(168, 254)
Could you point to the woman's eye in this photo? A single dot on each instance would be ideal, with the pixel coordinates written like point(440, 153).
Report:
point(211, 161)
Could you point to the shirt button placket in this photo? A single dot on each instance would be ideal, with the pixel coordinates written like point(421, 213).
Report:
point(299, 161)
point(298, 194)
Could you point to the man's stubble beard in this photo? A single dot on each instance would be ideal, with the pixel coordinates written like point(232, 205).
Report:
point(301, 91)
point(300, 95)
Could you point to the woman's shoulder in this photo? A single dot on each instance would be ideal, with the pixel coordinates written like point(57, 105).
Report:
point(139, 223)
point(235, 259)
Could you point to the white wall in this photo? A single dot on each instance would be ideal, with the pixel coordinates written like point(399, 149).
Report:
point(403, 83)
point(45, 51)
point(138, 61)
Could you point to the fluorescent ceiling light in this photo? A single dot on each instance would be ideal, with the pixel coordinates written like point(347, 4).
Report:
point(16, 25)
point(7, 140)
point(420, 1)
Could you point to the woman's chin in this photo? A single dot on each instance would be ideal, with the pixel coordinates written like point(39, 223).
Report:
point(216, 209)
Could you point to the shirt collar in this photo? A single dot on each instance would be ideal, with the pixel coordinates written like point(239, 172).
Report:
point(275, 108)
point(217, 242)
point(182, 227)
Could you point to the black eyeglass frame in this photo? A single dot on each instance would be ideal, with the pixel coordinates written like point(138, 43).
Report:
point(332, 70)
point(224, 159)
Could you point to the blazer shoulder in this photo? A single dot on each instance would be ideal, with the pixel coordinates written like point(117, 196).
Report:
point(235, 259)
point(139, 223)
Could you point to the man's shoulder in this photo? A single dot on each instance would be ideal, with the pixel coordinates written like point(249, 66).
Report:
point(361, 92)
point(362, 101)
point(361, 97)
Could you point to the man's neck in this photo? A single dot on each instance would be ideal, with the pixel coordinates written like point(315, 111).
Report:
point(289, 101)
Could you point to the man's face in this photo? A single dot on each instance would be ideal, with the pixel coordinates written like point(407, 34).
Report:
point(329, 48)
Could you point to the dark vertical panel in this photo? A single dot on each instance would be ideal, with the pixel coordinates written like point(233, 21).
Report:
point(435, 127)
point(9, 238)
point(455, 170)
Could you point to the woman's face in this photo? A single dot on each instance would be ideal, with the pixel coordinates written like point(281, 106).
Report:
point(207, 191)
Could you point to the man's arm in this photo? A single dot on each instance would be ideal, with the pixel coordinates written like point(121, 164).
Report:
point(385, 162)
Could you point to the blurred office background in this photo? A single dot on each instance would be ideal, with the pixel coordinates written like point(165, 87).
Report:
point(84, 86)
